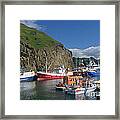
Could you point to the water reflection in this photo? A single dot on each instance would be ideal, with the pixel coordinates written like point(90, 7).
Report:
point(27, 85)
point(45, 90)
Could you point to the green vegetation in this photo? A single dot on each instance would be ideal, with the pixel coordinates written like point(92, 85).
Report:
point(35, 38)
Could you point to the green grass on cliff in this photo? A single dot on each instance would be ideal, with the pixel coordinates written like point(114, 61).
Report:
point(35, 38)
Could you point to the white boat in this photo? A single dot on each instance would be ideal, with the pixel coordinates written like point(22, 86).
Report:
point(75, 91)
point(88, 87)
point(61, 88)
point(95, 92)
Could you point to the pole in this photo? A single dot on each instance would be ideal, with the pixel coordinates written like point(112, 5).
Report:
point(45, 61)
point(46, 65)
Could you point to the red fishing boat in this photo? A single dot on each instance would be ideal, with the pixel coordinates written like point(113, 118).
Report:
point(49, 76)
point(57, 73)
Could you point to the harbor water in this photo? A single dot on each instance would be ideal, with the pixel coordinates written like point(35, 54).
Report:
point(46, 90)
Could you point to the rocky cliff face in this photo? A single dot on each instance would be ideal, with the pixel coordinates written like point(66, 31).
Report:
point(32, 57)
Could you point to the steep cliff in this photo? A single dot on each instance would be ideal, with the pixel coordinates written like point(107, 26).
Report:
point(37, 48)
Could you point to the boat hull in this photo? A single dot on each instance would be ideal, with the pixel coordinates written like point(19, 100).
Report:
point(81, 91)
point(49, 76)
point(75, 92)
point(93, 74)
point(60, 88)
point(90, 89)
point(27, 79)
point(28, 76)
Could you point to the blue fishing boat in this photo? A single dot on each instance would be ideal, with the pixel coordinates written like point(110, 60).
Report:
point(93, 73)
point(28, 76)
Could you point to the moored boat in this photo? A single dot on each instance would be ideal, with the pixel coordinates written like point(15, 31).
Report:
point(28, 76)
point(49, 76)
point(60, 87)
point(78, 84)
point(75, 90)
point(93, 73)
point(57, 73)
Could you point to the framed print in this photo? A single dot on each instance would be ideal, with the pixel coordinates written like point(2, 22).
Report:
point(59, 59)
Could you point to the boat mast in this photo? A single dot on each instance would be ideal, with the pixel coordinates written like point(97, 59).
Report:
point(45, 61)
point(46, 65)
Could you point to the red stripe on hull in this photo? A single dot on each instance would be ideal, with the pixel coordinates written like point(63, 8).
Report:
point(48, 77)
